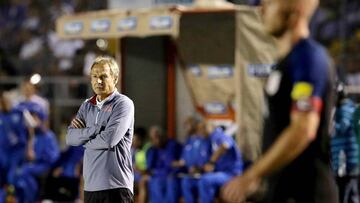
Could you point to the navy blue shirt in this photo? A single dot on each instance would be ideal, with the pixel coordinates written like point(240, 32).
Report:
point(302, 81)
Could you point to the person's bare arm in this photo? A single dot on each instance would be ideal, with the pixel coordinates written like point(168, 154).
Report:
point(290, 144)
point(209, 167)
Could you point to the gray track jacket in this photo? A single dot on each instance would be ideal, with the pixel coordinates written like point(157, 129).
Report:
point(107, 140)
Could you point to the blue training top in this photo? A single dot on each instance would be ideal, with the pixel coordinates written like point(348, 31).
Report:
point(158, 160)
point(230, 162)
point(197, 151)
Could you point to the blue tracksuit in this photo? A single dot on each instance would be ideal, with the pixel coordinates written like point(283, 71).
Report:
point(196, 153)
point(344, 140)
point(227, 166)
point(2, 195)
point(69, 160)
point(13, 136)
point(46, 153)
point(164, 186)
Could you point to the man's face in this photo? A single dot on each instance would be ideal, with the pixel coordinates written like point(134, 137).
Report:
point(155, 137)
point(189, 126)
point(102, 81)
point(274, 18)
point(136, 143)
point(202, 129)
point(27, 89)
point(5, 104)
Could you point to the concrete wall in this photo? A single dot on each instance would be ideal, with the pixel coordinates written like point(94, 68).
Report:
point(145, 83)
point(145, 79)
point(184, 105)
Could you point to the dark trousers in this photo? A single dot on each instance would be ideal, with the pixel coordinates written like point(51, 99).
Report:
point(118, 195)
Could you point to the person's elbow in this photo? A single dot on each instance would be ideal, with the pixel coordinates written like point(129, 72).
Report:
point(72, 140)
point(117, 136)
point(307, 126)
point(113, 144)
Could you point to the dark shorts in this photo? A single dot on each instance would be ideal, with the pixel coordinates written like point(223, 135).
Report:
point(118, 195)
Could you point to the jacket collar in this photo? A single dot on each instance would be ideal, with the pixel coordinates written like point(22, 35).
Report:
point(92, 100)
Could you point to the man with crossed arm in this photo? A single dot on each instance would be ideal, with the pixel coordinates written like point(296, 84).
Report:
point(104, 126)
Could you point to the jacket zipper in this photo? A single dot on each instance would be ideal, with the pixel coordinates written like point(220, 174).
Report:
point(96, 118)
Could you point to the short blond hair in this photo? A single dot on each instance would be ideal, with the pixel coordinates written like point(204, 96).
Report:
point(110, 61)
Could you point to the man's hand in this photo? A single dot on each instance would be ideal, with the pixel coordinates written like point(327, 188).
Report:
point(57, 172)
point(178, 163)
point(78, 123)
point(239, 188)
point(209, 167)
point(30, 155)
point(193, 170)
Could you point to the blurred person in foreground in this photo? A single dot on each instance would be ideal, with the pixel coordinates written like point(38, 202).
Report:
point(299, 101)
point(104, 126)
